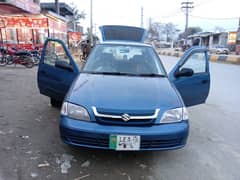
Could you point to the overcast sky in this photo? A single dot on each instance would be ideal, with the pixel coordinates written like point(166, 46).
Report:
point(206, 13)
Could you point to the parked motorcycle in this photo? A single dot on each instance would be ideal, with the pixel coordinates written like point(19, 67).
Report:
point(23, 57)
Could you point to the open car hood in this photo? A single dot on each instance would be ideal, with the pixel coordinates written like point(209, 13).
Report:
point(122, 33)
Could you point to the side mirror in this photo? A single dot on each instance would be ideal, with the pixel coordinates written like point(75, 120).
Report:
point(63, 65)
point(184, 72)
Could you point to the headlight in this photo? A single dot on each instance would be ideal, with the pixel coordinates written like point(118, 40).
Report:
point(74, 111)
point(175, 115)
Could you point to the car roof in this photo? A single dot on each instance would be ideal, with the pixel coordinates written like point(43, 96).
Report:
point(128, 43)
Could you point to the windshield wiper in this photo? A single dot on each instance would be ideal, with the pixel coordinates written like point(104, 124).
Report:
point(152, 75)
point(124, 74)
point(109, 73)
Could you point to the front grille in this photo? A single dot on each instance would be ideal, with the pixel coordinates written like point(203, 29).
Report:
point(86, 139)
point(154, 144)
point(115, 117)
point(132, 122)
point(102, 140)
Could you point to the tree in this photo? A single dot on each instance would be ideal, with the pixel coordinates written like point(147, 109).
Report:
point(219, 29)
point(190, 31)
point(169, 30)
point(162, 31)
point(193, 30)
point(77, 15)
point(153, 31)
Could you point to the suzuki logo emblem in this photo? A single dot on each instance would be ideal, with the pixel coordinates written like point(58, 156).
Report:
point(126, 117)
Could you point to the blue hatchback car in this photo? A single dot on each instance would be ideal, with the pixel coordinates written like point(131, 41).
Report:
point(123, 99)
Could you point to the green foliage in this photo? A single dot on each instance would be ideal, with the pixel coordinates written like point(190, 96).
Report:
point(77, 15)
point(159, 30)
point(190, 31)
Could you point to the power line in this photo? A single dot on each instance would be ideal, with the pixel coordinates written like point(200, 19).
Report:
point(172, 15)
point(177, 11)
point(201, 3)
point(209, 18)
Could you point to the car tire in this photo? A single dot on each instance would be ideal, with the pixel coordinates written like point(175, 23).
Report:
point(55, 103)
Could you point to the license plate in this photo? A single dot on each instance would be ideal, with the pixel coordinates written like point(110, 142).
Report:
point(124, 142)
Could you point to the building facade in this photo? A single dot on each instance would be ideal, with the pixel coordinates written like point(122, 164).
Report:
point(24, 26)
point(19, 6)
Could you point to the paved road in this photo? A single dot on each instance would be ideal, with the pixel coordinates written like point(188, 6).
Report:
point(31, 149)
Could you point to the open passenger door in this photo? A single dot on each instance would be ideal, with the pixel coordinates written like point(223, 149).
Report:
point(56, 70)
point(191, 76)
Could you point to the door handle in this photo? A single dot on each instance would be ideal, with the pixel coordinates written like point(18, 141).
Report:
point(204, 81)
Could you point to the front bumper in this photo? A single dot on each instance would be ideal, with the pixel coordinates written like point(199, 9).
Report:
point(93, 135)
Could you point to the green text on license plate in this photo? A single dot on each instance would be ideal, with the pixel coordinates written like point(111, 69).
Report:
point(124, 142)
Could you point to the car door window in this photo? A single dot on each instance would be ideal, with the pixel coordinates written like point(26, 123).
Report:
point(196, 62)
point(55, 52)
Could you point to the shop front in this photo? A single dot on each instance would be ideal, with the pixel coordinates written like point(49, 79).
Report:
point(28, 32)
point(74, 39)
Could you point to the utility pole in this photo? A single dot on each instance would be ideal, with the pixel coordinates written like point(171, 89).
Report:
point(91, 23)
point(142, 17)
point(186, 7)
point(57, 7)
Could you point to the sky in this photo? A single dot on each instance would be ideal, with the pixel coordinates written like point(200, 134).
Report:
point(206, 14)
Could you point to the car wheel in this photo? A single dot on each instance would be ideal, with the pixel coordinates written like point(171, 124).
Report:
point(55, 103)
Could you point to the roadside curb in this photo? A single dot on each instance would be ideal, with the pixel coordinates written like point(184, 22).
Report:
point(233, 59)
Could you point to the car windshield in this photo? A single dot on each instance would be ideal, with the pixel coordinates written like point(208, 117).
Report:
point(124, 60)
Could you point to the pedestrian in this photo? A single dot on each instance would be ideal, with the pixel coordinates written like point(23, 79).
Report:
point(88, 48)
point(84, 49)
